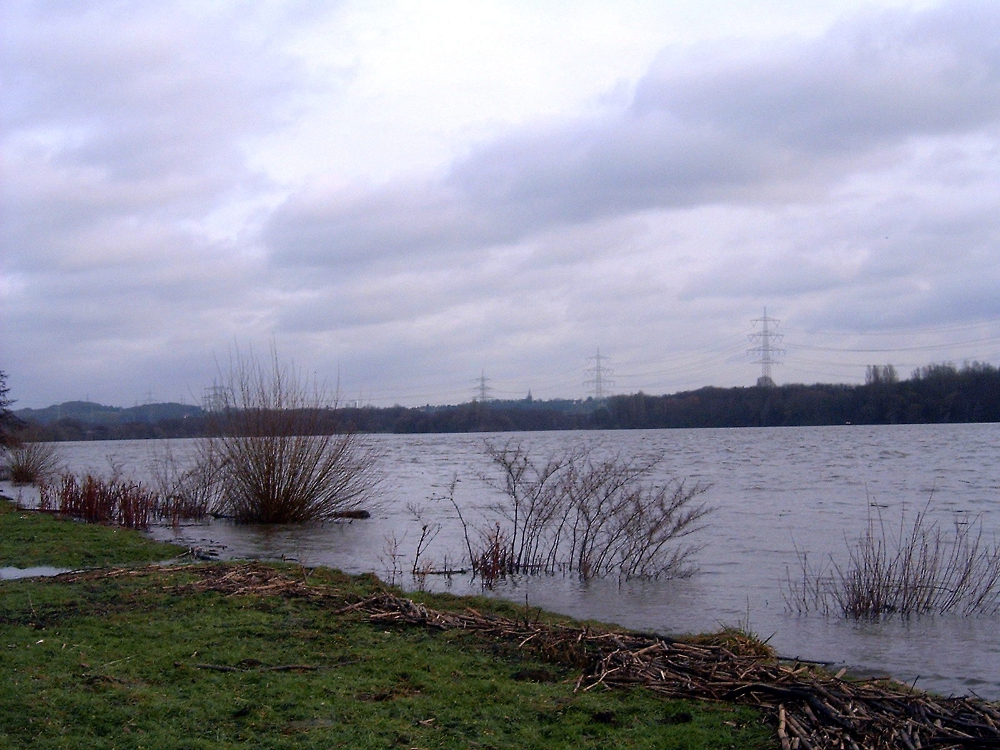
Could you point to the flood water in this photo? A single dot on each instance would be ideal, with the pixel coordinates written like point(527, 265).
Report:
point(776, 493)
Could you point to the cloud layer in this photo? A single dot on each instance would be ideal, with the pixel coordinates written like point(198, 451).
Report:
point(162, 205)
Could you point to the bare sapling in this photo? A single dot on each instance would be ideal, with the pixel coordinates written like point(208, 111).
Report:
point(391, 557)
point(276, 455)
point(428, 532)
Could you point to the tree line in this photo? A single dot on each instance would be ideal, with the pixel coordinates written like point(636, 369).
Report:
point(937, 393)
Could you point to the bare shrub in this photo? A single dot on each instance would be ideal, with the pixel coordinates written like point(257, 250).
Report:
point(275, 457)
point(30, 462)
point(920, 569)
point(577, 513)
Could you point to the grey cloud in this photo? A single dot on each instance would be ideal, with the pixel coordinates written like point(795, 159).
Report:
point(631, 162)
point(421, 294)
point(894, 247)
point(138, 90)
point(121, 117)
point(124, 126)
point(137, 298)
point(870, 82)
point(737, 176)
point(515, 188)
point(897, 304)
point(360, 229)
point(724, 124)
point(736, 125)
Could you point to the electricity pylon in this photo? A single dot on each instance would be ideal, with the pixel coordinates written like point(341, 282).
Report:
point(216, 398)
point(765, 350)
point(601, 376)
point(482, 389)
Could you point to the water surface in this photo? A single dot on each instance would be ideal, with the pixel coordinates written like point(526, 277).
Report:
point(776, 492)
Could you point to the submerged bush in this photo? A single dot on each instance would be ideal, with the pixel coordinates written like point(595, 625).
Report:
point(30, 462)
point(578, 513)
point(921, 569)
point(273, 458)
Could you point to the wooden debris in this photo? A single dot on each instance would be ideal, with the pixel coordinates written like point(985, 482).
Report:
point(811, 707)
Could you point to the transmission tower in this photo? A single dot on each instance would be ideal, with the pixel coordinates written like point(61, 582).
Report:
point(482, 388)
point(216, 398)
point(765, 350)
point(600, 376)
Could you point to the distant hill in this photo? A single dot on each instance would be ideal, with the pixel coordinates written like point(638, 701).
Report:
point(87, 412)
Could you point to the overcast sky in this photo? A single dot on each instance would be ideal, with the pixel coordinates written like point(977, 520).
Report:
point(404, 196)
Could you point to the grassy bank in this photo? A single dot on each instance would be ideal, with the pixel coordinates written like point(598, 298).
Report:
point(29, 539)
point(224, 655)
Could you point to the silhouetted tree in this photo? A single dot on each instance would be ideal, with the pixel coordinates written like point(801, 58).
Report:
point(9, 423)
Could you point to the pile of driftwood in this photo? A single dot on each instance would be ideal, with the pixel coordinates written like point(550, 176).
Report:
point(812, 708)
point(248, 579)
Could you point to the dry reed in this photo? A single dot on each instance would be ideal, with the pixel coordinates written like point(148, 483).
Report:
point(114, 502)
point(810, 707)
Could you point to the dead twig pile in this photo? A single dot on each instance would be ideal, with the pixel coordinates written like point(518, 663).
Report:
point(250, 579)
point(812, 708)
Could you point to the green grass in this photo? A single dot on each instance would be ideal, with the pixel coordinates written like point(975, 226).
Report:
point(29, 539)
point(134, 661)
point(145, 658)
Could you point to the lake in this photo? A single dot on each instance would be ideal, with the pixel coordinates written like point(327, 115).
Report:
point(776, 492)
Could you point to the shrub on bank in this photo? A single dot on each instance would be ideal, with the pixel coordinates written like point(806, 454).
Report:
point(113, 502)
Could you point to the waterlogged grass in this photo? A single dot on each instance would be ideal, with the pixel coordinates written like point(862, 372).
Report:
point(146, 659)
point(29, 539)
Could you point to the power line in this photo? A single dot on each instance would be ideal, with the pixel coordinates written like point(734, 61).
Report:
point(950, 328)
point(925, 347)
